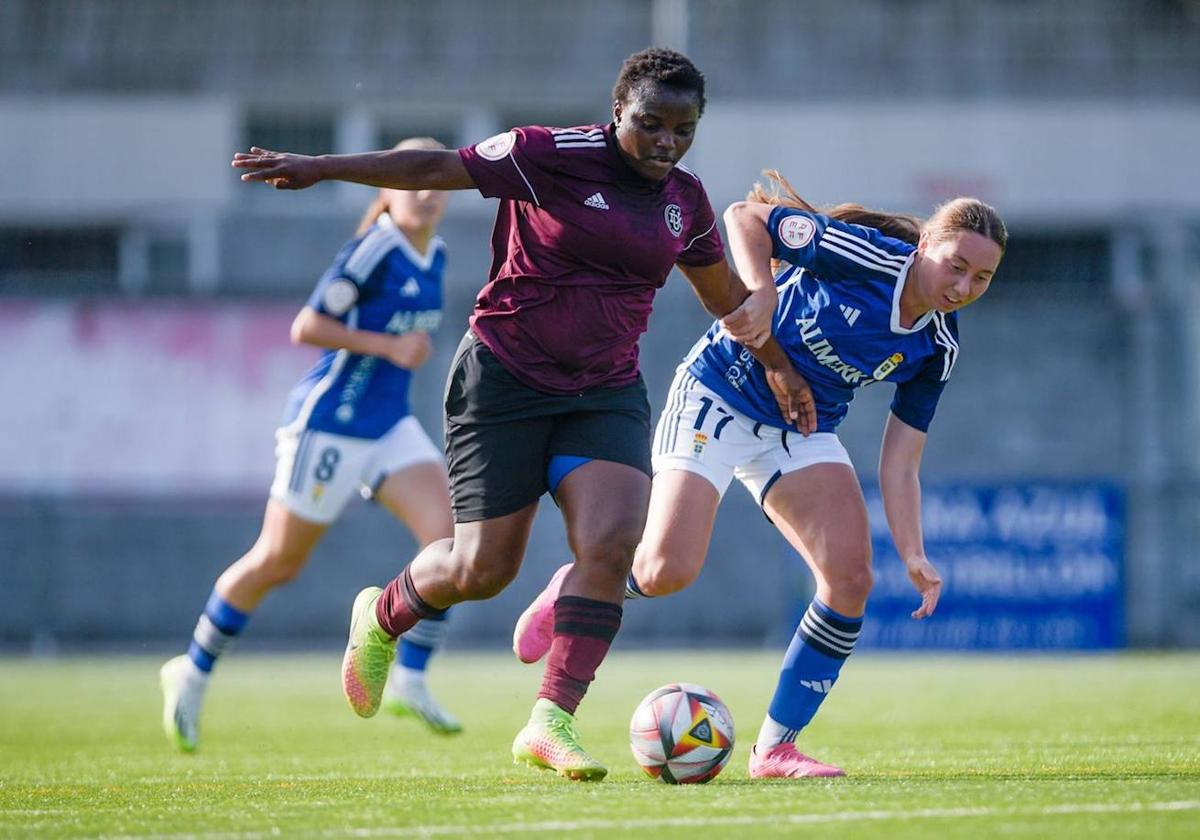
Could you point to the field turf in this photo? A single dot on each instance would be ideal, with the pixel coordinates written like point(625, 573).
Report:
point(1028, 747)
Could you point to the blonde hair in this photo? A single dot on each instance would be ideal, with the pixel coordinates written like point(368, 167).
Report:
point(379, 205)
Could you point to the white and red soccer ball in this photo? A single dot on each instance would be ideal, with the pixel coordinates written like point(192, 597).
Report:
point(681, 734)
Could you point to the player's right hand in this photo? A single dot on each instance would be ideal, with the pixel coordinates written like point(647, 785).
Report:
point(794, 398)
point(410, 350)
point(282, 170)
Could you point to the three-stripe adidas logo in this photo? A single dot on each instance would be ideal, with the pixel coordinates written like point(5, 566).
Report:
point(849, 313)
point(596, 200)
point(819, 686)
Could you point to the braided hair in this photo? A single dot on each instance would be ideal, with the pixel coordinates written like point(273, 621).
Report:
point(657, 65)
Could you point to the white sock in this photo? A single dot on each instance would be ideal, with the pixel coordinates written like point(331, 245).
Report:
point(772, 734)
point(408, 677)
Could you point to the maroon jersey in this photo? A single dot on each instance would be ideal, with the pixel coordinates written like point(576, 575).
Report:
point(581, 244)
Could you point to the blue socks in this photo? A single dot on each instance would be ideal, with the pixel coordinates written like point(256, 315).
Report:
point(219, 624)
point(823, 641)
point(419, 642)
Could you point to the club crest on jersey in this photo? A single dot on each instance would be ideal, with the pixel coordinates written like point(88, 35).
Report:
point(889, 364)
point(495, 148)
point(796, 231)
point(339, 296)
point(674, 217)
point(698, 443)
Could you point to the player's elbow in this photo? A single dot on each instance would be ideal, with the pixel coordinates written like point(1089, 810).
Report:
point(736, 213)
point(302, 325)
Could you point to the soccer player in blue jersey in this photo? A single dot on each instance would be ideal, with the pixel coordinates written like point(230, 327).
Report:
point(347, 430)
point(545, 392)
point(864, 298)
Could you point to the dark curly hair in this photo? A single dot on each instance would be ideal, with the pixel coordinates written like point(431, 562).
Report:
point(660, 66)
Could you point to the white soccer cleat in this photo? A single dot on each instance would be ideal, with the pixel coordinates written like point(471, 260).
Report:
point(183, 686)
point(408, 697)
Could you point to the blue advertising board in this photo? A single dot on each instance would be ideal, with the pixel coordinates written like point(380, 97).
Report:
point(1026, 565)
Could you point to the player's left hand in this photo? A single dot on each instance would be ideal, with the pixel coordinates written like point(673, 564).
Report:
point(750, 323)
point(928, 582)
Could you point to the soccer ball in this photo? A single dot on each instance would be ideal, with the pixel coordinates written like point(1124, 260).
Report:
point(682, 734)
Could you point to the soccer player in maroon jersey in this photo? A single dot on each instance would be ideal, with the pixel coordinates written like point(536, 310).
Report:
point(544, 392)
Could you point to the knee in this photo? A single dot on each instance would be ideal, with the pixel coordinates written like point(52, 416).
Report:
point(849, 573)
point(612, 548)
point(272, 566)
point(659, 574)
point(479, 577)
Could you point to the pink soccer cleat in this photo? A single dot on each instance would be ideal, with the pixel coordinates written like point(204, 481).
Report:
point(784, 761)
point(535, 628)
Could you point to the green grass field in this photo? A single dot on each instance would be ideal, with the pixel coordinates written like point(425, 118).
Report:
point(1019, 747)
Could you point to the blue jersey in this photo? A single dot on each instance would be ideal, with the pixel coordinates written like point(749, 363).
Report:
point(839, 322)
point(378, 282)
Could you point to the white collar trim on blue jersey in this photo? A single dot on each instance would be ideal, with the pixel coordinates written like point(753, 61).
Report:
point(422, 261)
point(923, 321)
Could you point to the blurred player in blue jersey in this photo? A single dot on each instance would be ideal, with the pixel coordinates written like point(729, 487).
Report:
point(864, 297)
point(347, 430)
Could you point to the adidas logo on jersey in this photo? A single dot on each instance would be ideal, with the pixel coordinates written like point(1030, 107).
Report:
point(819, 686)
point(411, 287)
point(596, 200)
point(849, 313)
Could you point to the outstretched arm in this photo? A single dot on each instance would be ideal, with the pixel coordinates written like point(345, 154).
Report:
point(398, 169)
point(900, 484)
point(721, 291)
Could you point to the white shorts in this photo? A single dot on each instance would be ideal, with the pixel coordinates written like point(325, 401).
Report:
point(316, 473)
point(699, 433)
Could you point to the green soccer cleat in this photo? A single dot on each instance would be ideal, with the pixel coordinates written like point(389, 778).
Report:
point(183, 686)
point(369, 654)
point(406, 697)
point(549, 741)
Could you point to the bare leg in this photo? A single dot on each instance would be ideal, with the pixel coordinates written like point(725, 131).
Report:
point(683, 506)
point(419, 498)
point(475, 564)
point(821, 512)
point(277, 556)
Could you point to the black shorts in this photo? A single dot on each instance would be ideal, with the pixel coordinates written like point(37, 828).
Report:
point(501, 434)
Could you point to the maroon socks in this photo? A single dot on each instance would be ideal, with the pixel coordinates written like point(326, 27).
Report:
point(400, 607)
point(583, 632)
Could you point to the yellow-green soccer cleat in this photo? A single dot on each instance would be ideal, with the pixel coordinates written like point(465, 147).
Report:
point(408, 697)
point(183, 687)
point(549, 741)
point(369, 654)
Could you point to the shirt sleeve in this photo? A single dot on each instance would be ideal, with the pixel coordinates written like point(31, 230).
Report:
point(353, 277)
point(704, 245)
point(916, 400)
point(834, 249)
point(518, 164)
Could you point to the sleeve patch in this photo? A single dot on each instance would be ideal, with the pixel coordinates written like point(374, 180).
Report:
point(495, 148)
point(796, 231)
point(339, 297)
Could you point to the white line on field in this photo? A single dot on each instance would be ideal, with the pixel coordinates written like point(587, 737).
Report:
point(692, 822)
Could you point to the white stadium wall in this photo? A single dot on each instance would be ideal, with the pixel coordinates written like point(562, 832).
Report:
point(98, 157)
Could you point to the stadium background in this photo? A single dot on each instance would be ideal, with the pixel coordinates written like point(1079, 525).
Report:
point(145, 293)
